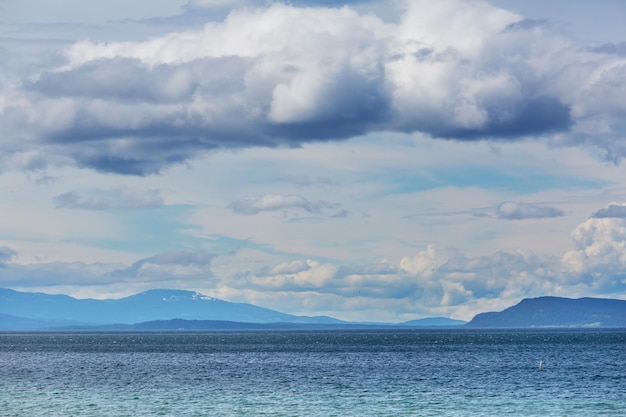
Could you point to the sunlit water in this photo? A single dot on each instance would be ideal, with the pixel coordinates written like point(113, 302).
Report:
point(325, 373)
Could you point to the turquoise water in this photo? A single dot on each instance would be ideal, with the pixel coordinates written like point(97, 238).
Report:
point(325, 373)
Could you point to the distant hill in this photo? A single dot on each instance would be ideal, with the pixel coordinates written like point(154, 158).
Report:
point(10, 322)
point(434, 322)
point(556, 312)
point(38, 310)
point(200, 325)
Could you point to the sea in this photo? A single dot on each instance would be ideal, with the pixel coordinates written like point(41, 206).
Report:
point(386, 372)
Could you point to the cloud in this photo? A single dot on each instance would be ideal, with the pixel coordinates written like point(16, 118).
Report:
point(306, 181)
point(181, 269)
point(201, 4)
point(600, 252)
point(445, 278)
point(173, 265)
point(308, 275)
point(432, 277)
point(197, 258)
point(72, 200)
point(519, 211)
point(6, 255)
point(278, 202)
point(440, 279)
point(611, 48)
point(137, 199)
point(455, 69)
point(600, 248)
point(122, 198)
point(425, 262)
point(611, 211)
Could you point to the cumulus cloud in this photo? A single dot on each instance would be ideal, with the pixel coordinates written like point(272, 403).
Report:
point(432, 280)
point(611, 211)
point(452, 69)
point(600, 245)
point(425, 262)
point(519, 211)
point(278, 202)
point(433, 277)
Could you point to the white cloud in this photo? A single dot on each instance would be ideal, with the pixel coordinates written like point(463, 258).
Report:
point(432, 279)
point(425, 263)
point(312, 275)
point(600, 247)
point(278, 202)
point(519, 211)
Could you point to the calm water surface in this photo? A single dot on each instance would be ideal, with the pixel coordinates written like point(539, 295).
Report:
point(314, 373)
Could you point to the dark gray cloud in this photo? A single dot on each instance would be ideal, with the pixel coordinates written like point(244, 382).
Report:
point(611, 211)
point(532, 116)
point(527, 24)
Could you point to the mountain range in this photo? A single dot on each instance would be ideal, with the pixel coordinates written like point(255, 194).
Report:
point(176, 309)
point(154, 309)
point(146, 306)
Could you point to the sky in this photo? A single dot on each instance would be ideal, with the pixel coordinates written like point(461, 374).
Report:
point(371, 161)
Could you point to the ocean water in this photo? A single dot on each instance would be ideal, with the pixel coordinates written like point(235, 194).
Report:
point(314, 373)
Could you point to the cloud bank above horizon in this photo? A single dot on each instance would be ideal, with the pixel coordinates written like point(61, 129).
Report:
point(433, 279)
